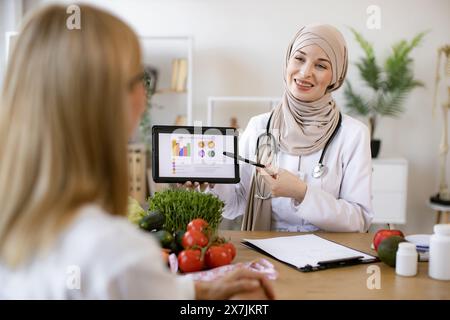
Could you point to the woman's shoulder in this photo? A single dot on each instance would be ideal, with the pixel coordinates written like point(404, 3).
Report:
point(353, 126)
point(259, 121)
point(96, 235)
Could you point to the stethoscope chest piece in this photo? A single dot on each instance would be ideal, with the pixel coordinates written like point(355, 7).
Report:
point(319, 170)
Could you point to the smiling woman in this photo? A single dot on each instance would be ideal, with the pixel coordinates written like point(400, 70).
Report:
point(309, 73)
point(318, 164)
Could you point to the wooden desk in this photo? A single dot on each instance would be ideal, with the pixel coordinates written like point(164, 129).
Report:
point(342, 283)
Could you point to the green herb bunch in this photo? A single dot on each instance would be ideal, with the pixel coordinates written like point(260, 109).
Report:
point(390, 83)
point(180, 206)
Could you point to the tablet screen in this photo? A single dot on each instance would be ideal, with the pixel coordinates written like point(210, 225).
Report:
point(182, 153)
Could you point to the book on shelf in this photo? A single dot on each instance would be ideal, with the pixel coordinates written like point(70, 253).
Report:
point(179, 75)
point(173, 85)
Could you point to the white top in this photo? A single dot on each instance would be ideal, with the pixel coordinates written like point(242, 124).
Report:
point(338, 201)
point(106, 255)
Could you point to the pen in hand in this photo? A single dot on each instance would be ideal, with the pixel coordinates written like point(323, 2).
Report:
point(238, 157)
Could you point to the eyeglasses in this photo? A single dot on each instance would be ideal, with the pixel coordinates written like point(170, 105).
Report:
point(140, 77)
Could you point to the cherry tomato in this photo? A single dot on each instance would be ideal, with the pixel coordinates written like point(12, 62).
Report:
point(190, 260)
point(194, 237)
point(197, 224)
point(231, 249)
point(217, 256)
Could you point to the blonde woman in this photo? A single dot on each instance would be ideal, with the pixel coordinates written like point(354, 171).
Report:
point(70, 101)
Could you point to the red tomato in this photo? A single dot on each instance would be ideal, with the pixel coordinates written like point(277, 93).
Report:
point(217, 256)
point(231, 249)
point(197, 224)
point(190, 260)
point(383, 234)
point(194, 237)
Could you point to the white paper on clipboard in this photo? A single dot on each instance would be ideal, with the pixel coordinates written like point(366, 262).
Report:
point(300, 251)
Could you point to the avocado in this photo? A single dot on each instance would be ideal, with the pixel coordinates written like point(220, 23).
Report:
point(387, 249)
point(153, 221)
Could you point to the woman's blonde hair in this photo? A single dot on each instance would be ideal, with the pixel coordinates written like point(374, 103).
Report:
point(63, 126)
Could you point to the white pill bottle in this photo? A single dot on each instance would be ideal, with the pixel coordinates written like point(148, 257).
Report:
point(406, 259)
point(439, 261)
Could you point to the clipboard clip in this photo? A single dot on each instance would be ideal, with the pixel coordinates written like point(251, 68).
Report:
point(340, 262)
point(321, 265)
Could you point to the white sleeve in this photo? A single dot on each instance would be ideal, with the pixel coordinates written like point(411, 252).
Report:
point(138, 271)
point(352, 211)
point(235, 195)
point(148, 278)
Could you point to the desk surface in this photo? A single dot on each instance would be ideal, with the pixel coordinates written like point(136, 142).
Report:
point(342, 283)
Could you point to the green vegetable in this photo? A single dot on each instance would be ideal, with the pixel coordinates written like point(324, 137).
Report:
point(152, 221)
point(178, 235)
point(164, 237)
point(180, 206)
point(387, 249)
point(135, 212)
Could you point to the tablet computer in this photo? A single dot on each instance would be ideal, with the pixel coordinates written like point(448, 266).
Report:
point(187, 153)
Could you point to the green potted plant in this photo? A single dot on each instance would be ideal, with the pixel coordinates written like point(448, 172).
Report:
point(389, 84)
point(150, 79)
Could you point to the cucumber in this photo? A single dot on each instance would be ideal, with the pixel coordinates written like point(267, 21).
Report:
point(153, 221)
point(165, 238)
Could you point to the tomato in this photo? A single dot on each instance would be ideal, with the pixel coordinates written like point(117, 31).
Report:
point(383, 234)
point(231, 249)
point(217, 256)
point(194, 238)
point(190, 260)
point(197, 224)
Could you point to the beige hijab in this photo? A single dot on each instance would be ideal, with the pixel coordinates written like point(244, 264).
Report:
point(299, 127)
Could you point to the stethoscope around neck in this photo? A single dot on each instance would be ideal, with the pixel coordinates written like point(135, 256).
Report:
point(319, 169)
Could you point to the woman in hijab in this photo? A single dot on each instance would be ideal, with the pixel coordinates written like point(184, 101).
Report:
point(318, 162)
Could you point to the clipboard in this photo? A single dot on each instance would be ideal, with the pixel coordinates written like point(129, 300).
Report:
point(318, 253)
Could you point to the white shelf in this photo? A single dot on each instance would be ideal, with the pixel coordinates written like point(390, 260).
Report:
point(159, 52)
point(215, 102)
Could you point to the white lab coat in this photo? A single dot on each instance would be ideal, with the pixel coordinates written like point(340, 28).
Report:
point(99, 256)
point(339, 201)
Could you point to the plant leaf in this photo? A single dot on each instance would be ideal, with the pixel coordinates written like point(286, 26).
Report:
point(367, 66)
point(355, 103)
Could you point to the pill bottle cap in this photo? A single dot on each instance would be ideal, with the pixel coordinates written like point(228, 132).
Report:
point(406, 247)
point(442, 229)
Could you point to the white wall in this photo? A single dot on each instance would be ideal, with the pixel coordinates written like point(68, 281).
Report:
point(239, 48)
point(11, 12)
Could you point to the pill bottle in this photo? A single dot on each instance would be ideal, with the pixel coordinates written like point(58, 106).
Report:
point(439, 260)
point(406, 259)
